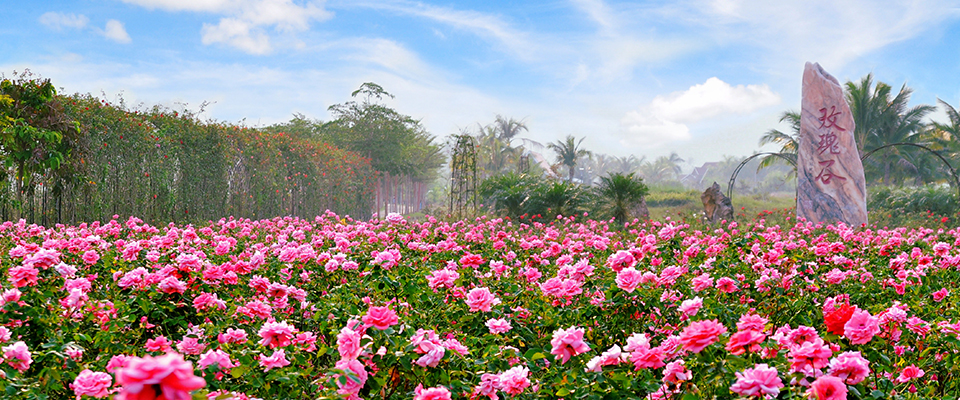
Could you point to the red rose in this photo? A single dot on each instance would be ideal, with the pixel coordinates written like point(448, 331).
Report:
point(837, 318)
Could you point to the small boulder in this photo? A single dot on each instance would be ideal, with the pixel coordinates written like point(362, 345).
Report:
point(716, 205)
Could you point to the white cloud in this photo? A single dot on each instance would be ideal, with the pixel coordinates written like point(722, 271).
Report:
point(246, 24)
point(665, 119)
point(116, 32)
point(598, 11)
point(831, 32)
point(514, 41)
point(59, 21)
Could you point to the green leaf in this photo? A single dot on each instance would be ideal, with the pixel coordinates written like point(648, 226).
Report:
point(563, 392)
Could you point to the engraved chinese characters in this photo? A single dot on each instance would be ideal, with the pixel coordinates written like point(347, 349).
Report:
point(830, 183)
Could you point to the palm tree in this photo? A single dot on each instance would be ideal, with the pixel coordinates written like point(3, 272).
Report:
point(569, 152)
point(629, 164)
point(789, 142)
point(507, 194)
point(881, 120)
point(508, 128)
point(557, 198)
point(619, 194)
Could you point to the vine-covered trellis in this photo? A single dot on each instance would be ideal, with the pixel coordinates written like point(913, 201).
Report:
point(463, 175)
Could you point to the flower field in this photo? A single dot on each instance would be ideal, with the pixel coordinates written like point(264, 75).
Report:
point(488, 309)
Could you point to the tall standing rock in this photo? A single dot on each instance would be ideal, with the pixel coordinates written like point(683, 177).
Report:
point(830, 183)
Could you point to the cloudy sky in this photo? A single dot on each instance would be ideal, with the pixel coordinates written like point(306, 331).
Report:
point(704, 78)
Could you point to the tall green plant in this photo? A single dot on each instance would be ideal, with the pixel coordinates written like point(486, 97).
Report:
point(618, 195)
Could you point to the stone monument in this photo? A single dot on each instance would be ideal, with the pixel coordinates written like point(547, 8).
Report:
point(716, 205)
point(830, 183)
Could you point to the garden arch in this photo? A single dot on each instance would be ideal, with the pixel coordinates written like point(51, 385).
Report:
point(953, 172)
point(733, 178)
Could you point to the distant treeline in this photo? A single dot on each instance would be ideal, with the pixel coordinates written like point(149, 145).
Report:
point(164, 165)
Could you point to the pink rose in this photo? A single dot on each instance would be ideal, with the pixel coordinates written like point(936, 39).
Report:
point(628, 279)
point(276, 360)
point(191, 345)
point(215, 357)
point(166, 377)
point(675, 373)
point(91, 257)
point(700, 334)
point(481, 299)
point(380, 317)
point(861, 327)
point(850, 366)
point(646, 357)
point(941, 294)
point(434, 353)
point(348, 343)
point(498, 325)
point(233, 336)
point(809, 356)
point(828, 387)
point(356, 377)
point(745, 341)
point(489, 384)
point(761, 381)
point(910, 373)
point(514, 380)
point(568, 343)
point(23, 275)
point(158, 344)
point(610, 357)
point(434, 393)
point(18, 356)
point(90, 383)
point(690, 307)
point(276, 334)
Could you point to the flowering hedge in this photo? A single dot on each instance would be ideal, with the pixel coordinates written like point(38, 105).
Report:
point(330, 308)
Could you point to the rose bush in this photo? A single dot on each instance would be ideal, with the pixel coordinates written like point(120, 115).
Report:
point(490, 308)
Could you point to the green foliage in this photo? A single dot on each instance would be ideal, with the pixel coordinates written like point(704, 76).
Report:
point(169, 165)
point(928, 205)
point(569, 153)
point(618, 195)
point(33, 126)
point(395, 143)
point(669, 197)
point(507, 194)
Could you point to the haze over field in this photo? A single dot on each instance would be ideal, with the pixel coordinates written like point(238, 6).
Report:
point(702, 78)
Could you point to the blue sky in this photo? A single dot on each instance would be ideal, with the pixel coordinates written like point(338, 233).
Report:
point(704, 78)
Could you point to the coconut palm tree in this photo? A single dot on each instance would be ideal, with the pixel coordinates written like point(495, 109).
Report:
point(629, 164)
point(882, 120)
point(619, 194)
point(569, 153)
point(507, 129)
point(788, 141)
point(946, 137)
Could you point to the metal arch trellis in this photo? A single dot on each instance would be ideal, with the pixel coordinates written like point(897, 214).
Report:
point(463, 174)
point(733, 178)
point(953, 172)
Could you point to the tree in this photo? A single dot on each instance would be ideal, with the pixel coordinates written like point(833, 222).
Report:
point(789, 142)
point(882, 120)
point(557, 198)
point(507, 194)
point(569, 152)
point(507, 129)
point(619, 194)
point(32, 129)
point(396, 144)
point(947, 136)
point(663, 169)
